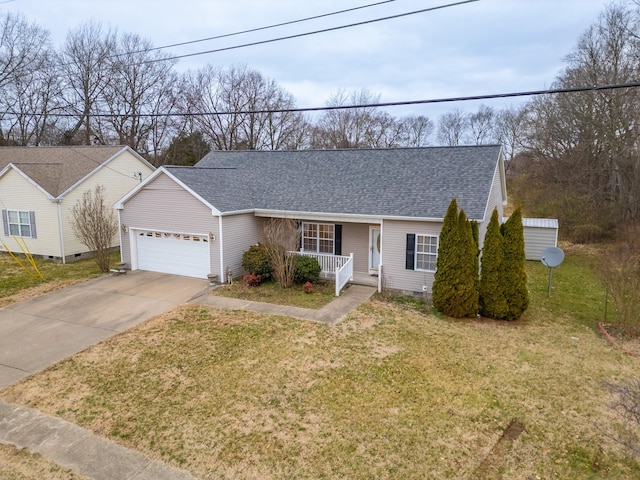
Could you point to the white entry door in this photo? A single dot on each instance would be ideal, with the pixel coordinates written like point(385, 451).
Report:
point(175, 253)
point(374, 249)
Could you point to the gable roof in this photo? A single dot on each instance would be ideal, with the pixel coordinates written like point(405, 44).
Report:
point(56, 169)
point(400, 182)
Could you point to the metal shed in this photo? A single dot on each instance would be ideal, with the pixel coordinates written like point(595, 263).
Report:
point(539, 233)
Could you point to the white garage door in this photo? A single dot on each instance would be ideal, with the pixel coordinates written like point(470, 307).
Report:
point(178, 254)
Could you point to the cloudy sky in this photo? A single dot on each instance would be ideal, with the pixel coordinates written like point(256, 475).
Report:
point(482, 47)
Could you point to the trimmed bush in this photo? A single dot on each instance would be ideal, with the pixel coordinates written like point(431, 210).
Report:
point(492, 300)
point(256, 260)
point(515, 275)
point(307, 270)
point(251, 279)
point(455, 286)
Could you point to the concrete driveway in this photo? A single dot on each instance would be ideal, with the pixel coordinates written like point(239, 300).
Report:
point(41, 331)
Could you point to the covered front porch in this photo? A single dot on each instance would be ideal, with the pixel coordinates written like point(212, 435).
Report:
point(340, 268)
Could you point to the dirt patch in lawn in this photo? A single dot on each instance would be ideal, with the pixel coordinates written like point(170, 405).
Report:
point(493, 465)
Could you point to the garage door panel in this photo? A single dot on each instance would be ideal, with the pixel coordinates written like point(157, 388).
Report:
point(178, 254)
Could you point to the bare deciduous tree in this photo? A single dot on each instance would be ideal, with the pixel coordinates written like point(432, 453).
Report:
point(482, 125)
point(282, 235)
point(84, 62)
point(94, 223)
point(452, 127)
point(627, 406)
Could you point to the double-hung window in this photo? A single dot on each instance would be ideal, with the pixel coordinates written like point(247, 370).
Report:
point(426, 252)
point(318, 237)
point(20, 223)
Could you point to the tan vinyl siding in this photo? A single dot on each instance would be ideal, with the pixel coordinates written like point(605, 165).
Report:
point(164, 205)
point(117, 178)
point(240, 232)
point(18, 193)
point(394, 244)
point(355, 239)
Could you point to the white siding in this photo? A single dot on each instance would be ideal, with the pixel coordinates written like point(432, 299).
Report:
point(495, 201)
point(394, 244)
point(117, 178)
point(240, 232)
point(18, 193)
point(165, 206)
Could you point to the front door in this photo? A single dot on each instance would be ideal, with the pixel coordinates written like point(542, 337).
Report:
point(374, 249)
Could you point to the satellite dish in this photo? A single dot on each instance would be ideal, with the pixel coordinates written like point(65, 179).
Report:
point(552, 257)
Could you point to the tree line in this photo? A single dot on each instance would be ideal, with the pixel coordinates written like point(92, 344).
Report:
point(570, 156)
point(106, 87)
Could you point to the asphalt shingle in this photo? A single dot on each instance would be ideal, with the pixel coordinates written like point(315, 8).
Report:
point(405, 182)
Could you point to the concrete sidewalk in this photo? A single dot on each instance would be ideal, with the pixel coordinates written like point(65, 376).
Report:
point(78, 449)
point(332, 313)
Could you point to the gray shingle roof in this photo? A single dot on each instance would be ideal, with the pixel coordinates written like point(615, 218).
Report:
point(56, 169)
point(406, 182)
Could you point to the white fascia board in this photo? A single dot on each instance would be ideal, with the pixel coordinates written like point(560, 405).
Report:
point(11, 166)
point(339, 217)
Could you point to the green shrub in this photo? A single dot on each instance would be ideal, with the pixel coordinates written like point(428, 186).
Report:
point(515, 275)
point(256, 260)
point(492, 301)
point(307, 270)
point(455, 285)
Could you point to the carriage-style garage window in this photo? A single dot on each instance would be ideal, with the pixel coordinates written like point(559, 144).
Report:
point(426, 252)
point(20, 223)
point(318, 237)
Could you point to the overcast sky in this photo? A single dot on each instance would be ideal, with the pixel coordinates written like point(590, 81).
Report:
point(489, 46)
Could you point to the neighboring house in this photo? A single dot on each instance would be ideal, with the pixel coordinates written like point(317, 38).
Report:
point(385, 206)
point(40, 185)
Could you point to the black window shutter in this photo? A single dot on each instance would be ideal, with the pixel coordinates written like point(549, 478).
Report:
point(299, 230)
point(411, 251)
point(337, 240)
point(5, 223)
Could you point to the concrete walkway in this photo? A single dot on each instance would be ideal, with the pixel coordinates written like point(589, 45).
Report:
point(78, 449)
point(333, 312)
point(95, 457)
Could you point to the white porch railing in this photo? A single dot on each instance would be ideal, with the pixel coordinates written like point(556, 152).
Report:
point(344, 274)
point(339, 265)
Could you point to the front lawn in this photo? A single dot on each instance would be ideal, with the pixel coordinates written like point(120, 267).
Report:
point(390, 392)
point(16, 284)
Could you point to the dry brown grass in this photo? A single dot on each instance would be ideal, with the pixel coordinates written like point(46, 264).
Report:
point(387, 393)
point(18, 464)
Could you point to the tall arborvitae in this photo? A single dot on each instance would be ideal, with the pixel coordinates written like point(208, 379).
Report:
point(467, 286)
point(515, 275)
point(444, 293)
point(493, 303)
point(455, 282)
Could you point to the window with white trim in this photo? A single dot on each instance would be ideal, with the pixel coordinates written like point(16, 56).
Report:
point(318, 237)
point(19, 222)
point(426, 252)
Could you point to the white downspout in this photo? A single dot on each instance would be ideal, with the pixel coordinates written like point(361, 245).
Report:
point(120, 234)
point(220, 237)
point(380, 269)
point(59, 202)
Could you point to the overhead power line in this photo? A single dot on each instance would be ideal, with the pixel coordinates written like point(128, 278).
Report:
point(257, 29)
point(492, 96)
point(314, 32)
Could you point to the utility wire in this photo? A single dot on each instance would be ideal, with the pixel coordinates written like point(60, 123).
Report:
point(492, 96)
point(305, 34)
point(251, 30)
